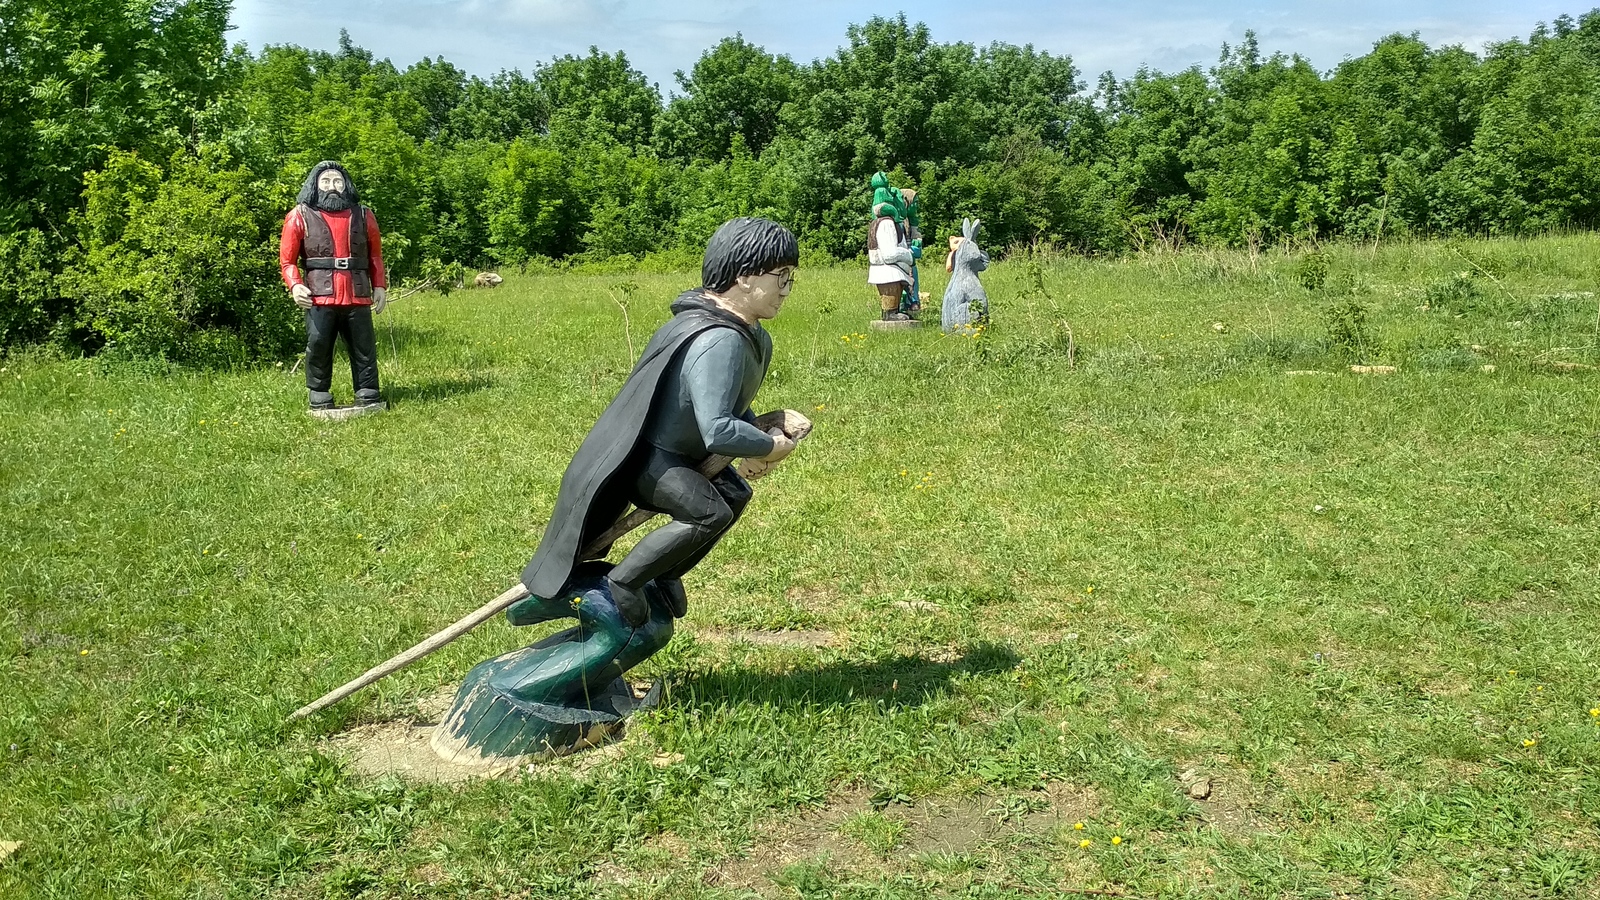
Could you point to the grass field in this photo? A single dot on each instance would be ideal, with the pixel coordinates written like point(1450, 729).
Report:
point(998, 594)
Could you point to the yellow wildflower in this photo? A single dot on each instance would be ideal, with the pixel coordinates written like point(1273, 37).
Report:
point(1077, 826)
point(1595, 712)
point(1084, 844)
point(1529, 742)
point(1116, 839)
point(83, 653)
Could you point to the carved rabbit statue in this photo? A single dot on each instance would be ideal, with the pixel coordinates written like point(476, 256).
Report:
point(965, 303)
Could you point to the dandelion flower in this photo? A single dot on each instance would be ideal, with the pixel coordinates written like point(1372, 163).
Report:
point(1077, 826)
point(202, 421)
point(1089, 589)
point(1084, 844)
point(83, 653)
point(1116, 839)
point(1595, 712)
point(821, 407)
point(1529, 742)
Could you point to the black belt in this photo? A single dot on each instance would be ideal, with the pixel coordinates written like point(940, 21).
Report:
point(335, 262)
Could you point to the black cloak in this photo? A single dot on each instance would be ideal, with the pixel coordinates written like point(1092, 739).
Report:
point(592, 497)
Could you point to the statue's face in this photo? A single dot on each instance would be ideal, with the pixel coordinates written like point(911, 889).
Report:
point(755, 297)
point(331, 181)
point(765, 293)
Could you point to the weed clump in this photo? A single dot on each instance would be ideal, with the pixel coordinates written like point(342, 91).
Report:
point(1457, 294)
point(1348, 333)
point(1312, 270)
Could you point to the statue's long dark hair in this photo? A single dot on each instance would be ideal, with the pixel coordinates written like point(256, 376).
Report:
point(308, 191)
point(746, 246)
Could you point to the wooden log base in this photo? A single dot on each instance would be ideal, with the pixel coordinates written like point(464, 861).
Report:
point(883, 325)
point(340, 413)
point(562, 694)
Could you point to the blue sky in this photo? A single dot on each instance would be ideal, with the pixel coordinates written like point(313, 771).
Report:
point(484, 36)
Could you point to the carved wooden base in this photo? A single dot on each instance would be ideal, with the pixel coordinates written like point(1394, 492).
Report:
point(340, 413)
point(561, 694)
point(883, 325)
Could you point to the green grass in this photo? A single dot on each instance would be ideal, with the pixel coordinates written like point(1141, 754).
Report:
point(1365, 606)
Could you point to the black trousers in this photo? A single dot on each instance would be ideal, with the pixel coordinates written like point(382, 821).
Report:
point(323, 325)
point(702, 511)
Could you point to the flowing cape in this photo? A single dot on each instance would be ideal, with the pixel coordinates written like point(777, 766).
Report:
point(592, 496)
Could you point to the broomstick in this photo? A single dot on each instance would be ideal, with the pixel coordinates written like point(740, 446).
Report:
point(794, 425)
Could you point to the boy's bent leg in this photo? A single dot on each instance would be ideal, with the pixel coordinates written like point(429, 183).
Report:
point(736, 493)
point(700, 515)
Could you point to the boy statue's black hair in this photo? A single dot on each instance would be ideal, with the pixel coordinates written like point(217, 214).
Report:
point(746, 246)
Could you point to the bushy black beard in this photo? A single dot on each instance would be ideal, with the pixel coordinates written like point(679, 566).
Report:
point(332, 201)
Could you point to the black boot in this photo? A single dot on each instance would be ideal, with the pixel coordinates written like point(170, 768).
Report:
point(677, 600)
point(895, 315)
point(321, 400)
point(630, 602)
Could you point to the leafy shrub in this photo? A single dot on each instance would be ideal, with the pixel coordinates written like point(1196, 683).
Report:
point(27, 288)
point(180, 264)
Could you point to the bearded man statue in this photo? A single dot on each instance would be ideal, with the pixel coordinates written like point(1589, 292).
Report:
point(332, 262)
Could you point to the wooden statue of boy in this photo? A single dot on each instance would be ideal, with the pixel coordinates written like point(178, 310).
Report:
point(332, 262)
point(663, 445)
point(687, 399)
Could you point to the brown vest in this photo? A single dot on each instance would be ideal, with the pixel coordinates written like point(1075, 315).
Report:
point(320, 260)
point(872, 233)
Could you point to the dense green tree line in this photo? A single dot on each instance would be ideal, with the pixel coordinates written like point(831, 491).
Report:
point(145, 167)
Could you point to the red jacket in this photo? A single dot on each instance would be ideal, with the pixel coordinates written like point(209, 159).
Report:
point(291, 245)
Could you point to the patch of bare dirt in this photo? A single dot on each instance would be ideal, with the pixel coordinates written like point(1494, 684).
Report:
point(811, 835)
point(817, 596)
point(1228, 812)
point(977, 825)
point(794, 640)
point(400, 747)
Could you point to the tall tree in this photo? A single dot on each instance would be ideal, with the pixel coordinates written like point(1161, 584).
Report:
point(735, 89)
point(78, 80)
point(599, 96)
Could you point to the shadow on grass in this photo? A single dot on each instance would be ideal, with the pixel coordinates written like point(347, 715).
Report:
point(436, 388)
point(907, 680)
